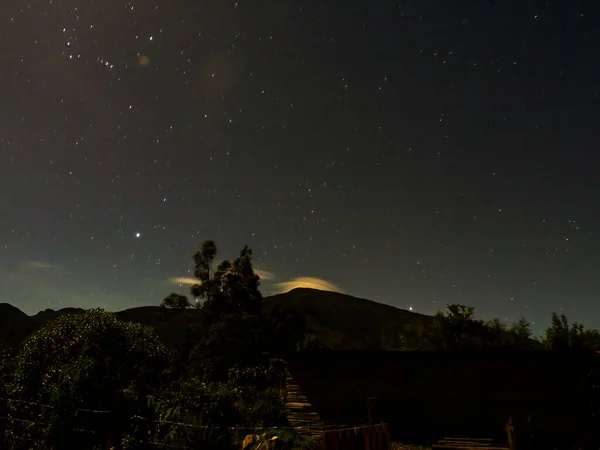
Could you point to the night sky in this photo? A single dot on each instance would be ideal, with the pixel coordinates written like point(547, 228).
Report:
point(413, 153)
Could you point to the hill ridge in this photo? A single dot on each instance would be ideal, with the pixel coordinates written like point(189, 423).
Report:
point(343, 321)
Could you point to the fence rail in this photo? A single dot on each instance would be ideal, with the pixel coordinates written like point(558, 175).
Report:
point(328, 433)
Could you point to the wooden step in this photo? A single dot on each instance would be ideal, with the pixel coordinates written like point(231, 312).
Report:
point(466, 447)
point(300, 412)
point(456, 443)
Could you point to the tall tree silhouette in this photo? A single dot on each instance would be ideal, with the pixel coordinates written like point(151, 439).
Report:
point(233, 323)
point(457, 329)
point(557, 334)
point(203, 261)
point(560, 336)
point(522, 328)
point(232, 287)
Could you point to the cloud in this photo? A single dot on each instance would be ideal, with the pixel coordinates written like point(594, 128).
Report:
point(183, 280)
point(307, 282)
point(16, 267)
point(263, 274)
point(298, 282)
point(39, 265)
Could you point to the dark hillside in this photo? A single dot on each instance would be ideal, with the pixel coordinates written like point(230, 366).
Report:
point(47, 315)
point(342, 321)
point(171, 326)
point(15, 325)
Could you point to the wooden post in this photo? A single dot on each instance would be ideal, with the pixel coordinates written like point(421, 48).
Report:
point(510, 431)
point(372, 407)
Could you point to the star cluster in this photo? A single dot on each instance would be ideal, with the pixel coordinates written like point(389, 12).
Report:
point(414, 154)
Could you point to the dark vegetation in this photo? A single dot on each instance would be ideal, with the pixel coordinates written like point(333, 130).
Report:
point(203, 374)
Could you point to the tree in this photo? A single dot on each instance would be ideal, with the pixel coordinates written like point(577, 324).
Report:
point(460, 314)
point(176, 301)
point(457, 329)
point(495, 325)
point(282, 330)
point(522, 329)
point(232, 287)
point(576, 336)
point(234, 329)
point(407, 337)
point(496, 335)
point(558, 334)
point(243, 283)
point(89, 361)
point(310, 343)
point(591, 339)
point(232, 326)
point(521, 336)
point(203, 261)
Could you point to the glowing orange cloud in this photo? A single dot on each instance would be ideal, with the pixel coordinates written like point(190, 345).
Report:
point(307, 282)
point(184, 280)
point(263, 274)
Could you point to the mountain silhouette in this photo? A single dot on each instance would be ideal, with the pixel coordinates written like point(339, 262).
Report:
point(341, 321)
point(15, 325)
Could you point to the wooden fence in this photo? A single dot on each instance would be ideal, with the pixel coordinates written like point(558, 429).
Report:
point(366, 437)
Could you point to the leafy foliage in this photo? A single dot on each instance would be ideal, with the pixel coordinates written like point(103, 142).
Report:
point(522, 329)
point(233, 328)
point(407, 337)
point(6, 363)
point(310, 343)
point(176, 301)
point(560, 336)
point(232, 287)
point(90, 361)
point(283, 331)
point(224, 381)
point(217, 377)
point(458, 329)
point(251, 397)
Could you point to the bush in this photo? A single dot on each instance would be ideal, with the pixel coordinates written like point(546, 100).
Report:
point(90, 361)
